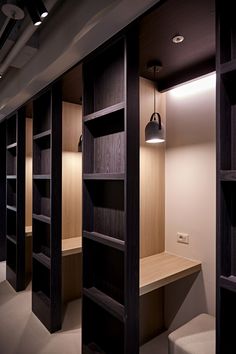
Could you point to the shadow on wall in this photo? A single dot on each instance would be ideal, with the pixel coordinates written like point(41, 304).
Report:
point(179, 307)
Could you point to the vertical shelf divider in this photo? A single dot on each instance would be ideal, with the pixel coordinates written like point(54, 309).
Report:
point(15, 199)
point(3, 191)
point(47, 167)
point(110, 314)
point(226, 183)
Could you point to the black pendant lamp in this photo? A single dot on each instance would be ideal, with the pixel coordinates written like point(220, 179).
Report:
point(154, 131)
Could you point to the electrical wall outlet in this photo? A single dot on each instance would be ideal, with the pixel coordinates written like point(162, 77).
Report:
point(182, 238)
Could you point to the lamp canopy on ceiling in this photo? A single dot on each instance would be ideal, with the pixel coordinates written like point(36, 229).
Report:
point(13, 9)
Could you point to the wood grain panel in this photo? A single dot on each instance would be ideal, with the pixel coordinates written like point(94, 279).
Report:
point(71, 246)
point(28, 173)
point(71, 171)
point(109, 153)
point(71, 277)
point(152, 177)
point(151, 315)
point(109, 222)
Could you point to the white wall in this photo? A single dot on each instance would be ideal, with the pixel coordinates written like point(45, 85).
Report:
point(190, 199)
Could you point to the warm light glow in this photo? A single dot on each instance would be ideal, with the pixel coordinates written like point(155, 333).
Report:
point(200, 85)
point(155, 141)
point(44, 14)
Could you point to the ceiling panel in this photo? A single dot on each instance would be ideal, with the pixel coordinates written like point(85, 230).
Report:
point(195, 20)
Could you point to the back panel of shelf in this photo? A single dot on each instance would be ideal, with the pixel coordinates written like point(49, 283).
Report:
point(3, 191)
point(47, 145)
point(110, 200)
point(226, 178)
point(104, 80)
point(15, 199)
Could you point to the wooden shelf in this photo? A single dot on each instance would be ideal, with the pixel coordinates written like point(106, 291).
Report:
point(228, 67)
point(11, 146)
point(104, 176)
point(228, 283)
point(12, 208)
point(106, 302)
point(71, 245)
point(12, 238)
point(42, 135)
point(164, 268)
point(104, 112)
point(43, 259)
point(42, 218)
point(11, 176)
point(41, 177)
point(28, 231)
point(105, 240)
point(228, 175)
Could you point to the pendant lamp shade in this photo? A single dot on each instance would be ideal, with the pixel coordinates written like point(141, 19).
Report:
point(154, 131)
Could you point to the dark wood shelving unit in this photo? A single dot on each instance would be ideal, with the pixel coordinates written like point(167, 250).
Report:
point(226, 178)
point(46, 280)
point(3, 191)
point(111, 199)
point(15, 199)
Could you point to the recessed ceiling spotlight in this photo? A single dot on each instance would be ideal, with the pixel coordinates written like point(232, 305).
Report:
point(178, 38)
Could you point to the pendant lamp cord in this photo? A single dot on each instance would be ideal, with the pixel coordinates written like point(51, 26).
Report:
point(154, 88)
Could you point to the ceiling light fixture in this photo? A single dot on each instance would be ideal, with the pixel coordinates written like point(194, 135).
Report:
point(35, 17)
point(43, 12)
point(154, 130)
point(178, 38)
point(37, 11)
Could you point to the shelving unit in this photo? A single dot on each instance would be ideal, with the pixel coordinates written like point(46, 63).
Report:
point(226, 172)
point(3, 191)
point(111, 199)
point(15, 199)
point(46, 280)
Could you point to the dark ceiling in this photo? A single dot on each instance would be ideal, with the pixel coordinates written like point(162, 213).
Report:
point(195, 20)
point(195, 56)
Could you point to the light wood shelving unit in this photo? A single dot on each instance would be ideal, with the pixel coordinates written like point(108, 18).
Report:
point(157, 267)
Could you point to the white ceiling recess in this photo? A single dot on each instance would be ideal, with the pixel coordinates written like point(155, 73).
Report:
point(74, 30)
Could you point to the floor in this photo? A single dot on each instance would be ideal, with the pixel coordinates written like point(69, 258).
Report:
point(22, 333)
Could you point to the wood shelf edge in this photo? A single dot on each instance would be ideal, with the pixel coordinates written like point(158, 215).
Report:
point(103, 112)
point(106, 302)
point(162, 276)
point(72, 245)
